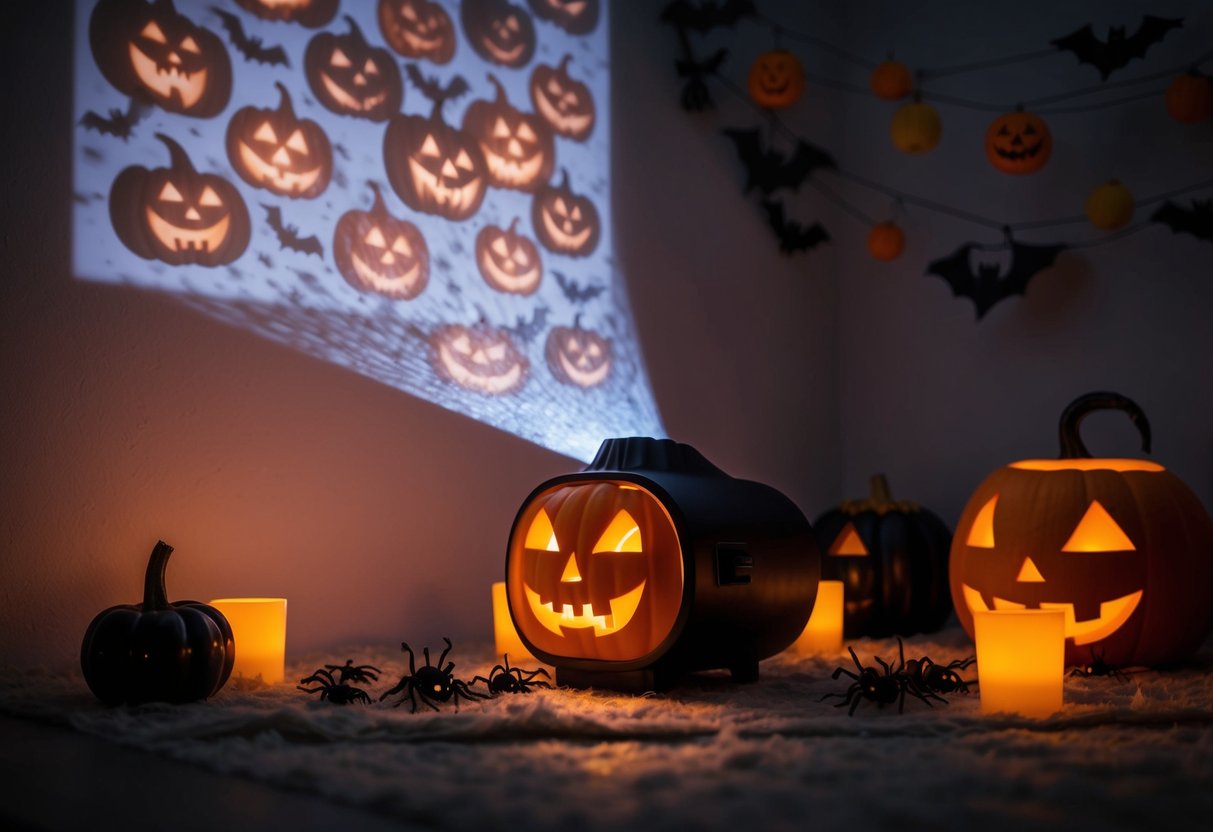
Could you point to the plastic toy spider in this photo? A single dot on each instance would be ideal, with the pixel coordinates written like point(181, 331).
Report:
point(928, 676)
point(432, 683)
point(883, 689)
point(350, 672)
point(512, 679)
point(334, 691)
point(1098, 667)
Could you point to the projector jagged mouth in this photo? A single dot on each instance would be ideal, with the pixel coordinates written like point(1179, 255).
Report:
point(201, 240)
point(164, 79)
point(284, 180)
point(623, 608)
point(348, 101)
point(1112, 614)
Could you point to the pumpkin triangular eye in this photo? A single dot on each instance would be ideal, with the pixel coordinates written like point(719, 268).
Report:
point(369, 67)
point(623, 535)
point(526, 133)
point(429, 147)
point(462, 344)
point(848, 542)
point(500, 247)
point(463, 160)
point(296, 142)
point(576, 213)
point(375, 238)
point(981, 533)
point(501, 130)
point(190, 45)
point(265, 133)
point(408, 12)
point(401, 246)
point(496, 352)
point(1098, 532)
point(169, 193)
point(209, 198)
point(541, 535)
point(153, 32)
point(340, 59)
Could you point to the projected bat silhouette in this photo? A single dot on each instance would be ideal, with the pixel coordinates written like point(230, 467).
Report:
point(988, 285)
point(118, 123)
point(1114, 53)
point(252, 48)
point(288, 235)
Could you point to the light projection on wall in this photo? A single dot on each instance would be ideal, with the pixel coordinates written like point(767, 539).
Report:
point(418, 190)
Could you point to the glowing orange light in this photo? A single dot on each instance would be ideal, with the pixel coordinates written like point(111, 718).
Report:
point(1020, 661)
point(259, 630)
point(1098, 532)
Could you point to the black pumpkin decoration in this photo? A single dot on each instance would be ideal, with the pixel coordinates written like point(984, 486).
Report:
point(157, 651)
point(892, 558)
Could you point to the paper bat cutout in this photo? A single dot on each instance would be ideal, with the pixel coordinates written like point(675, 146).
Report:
point(793, 236)
point(526, 331)
point(705, 16)
point(695, 96)
point(1109, 56)
point(251, 47)
point(288, 235)
point(1197, 220)
point(769, 170)
point(117, 123)
point(432, 88)
point(573, 291)
point(987, 286)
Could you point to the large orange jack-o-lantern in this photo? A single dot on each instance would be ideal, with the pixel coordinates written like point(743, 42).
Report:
point(508, 261)
point(275, 150)
point(311, 14)
point(434, 167)
point(651, 563)
point(352, 78)
point(577, 17)
point(418, 29)
point(498, 31)
point(177, 214)
point(376, 252)
point(564, 221)
point(576, 356)
point(562, 101)
point(519, 151)
point(147, 50)
point(480, 357)
point(1122, 546)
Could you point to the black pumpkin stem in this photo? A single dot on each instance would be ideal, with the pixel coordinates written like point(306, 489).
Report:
point(1071, 419)
point(155, 596)
point(878, 489)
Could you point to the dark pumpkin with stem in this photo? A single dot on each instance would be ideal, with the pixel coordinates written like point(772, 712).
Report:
point(157, 651)
point(892, 558)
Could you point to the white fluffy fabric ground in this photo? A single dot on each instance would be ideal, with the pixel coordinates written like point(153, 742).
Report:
point(1125, 753)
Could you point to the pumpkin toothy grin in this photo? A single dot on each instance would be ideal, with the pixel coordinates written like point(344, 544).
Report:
point(283, 180)
point(1112, 614)
point(622, 609)
point(201, 240)
point(348, 101)
point(164, 80)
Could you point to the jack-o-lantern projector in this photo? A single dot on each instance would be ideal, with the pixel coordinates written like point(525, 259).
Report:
point(652, 562)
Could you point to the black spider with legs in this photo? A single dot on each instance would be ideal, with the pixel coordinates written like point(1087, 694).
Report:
point(883, 689)
point(350, 672)
point(432, 683)
point(506, 679)
point(337, 692)
point(928, 676)
point(1099, 667)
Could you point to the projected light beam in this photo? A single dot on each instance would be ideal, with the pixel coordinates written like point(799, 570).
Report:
point(455, 245)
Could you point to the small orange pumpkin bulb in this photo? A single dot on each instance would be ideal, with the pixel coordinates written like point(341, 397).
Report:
point(916, 127)
point(1018, 142)
point(1189, 98)
point(776, 79)
point(1110, 206)
point(891, 80)
point(886, 241)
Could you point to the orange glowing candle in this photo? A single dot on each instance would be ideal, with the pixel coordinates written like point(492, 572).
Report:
point(505, 636)
point(259, 629)
point(1020, 660)
point(823, 634)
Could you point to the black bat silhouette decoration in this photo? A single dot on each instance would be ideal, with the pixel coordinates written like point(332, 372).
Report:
point(118, 123)
point(573, 290)
point(768, 170)
point(987, 286)
point(1197, 220)
point(702, 17)
point(288, 235)
point(527, 331)
point(432, 88)
point(251, 47)
point(1114, 53)
point(695, 96)
point(793, 236)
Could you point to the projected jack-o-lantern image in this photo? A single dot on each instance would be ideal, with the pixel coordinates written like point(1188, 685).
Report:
point(565, 222)
point(149, 51)
point(1018, 142)
point(594, 571)
point(350, 77)
point(577, 17)
point(508, 261)
point(776, 79)
point(1121, 546)
point(498, 31)
point(434, 167)
point(418, 29)
point(564, 102)
point(519, 151)
point(377, 252)
point(577, 356)
point(275, 150)
point(177, 214)
point(478, 357)
point(311, 14)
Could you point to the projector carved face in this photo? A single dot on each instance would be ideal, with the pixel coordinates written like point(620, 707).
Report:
point(479, 358)
point(352, 78)
point(578, 356)
point(577, 17)
point(177, 214)
point(273, 149)
point(565, 222)
point(563, 102)
point(594, 571)
point(377, 252)
point(519, 151)
point(499, 32)
point(434, 167)
point(151, 51)
point(508, 261)
point(418, 29)
point(310, 14)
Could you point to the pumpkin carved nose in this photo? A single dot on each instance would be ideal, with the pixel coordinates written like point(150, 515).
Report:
point(1028, 573)
point(571, 575)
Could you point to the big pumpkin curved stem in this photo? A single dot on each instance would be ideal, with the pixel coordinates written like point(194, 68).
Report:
point(1072, 446)
point(155, 596)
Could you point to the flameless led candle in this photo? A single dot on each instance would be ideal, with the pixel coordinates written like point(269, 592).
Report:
point(505, 636)
point(259, 629)
point(1020, 660)
point(823, 633)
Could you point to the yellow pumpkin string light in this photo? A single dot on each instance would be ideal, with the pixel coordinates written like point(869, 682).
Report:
point(916, 127)
point(1110, 206)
